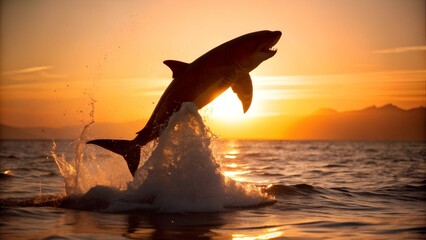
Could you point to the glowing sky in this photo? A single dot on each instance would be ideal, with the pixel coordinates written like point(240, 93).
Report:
point(58, 55)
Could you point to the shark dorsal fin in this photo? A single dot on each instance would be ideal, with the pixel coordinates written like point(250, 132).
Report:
point(177, 67)
point(244, 89)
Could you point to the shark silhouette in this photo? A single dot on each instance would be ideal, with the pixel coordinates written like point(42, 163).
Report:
point(200, 82)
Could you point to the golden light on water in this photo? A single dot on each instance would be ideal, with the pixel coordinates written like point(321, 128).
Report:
point(233, 169)
point(270, 234)
point(236, 175)
point(232, 165)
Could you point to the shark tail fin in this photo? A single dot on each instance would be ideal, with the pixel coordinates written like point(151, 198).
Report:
point(129, 149)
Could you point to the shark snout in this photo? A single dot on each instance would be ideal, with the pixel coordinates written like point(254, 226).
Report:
point(275, 36)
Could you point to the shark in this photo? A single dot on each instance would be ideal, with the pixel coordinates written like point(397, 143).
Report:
point(200, 82)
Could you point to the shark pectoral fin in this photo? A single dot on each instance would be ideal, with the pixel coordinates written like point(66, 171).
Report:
point(244, 90)
point(177, 67)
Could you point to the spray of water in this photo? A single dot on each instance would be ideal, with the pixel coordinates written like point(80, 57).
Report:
point(70, 171)
point(179, 175)
point(87, 167)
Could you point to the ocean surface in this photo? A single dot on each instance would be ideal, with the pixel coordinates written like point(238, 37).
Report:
point(192, 184)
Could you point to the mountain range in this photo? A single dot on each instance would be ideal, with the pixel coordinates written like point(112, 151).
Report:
point(388, 122)
point(98, 130)
point(385, 123)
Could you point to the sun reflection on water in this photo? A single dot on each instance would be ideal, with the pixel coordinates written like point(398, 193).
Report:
point(232, 165)
point(230, 156)
point(236, 175)
point(270, 234)
point(233, 169)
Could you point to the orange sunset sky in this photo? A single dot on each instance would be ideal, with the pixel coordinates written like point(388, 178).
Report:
point(56, 56)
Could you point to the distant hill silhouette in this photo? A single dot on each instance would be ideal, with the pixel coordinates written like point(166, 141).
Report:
point(389, 123)
point(12, 133)
point(386, 123)
point(98, 130)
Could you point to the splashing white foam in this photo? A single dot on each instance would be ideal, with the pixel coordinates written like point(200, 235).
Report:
point(180, 175)
point(84, 170)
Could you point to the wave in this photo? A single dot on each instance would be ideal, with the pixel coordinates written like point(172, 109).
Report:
point(298, 189)
point(403, 192)
point(6, 174)
point(38, 201)
point(406, 192)
point(8, 156)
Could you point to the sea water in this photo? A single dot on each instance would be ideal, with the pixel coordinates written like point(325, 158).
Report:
point(194, 185)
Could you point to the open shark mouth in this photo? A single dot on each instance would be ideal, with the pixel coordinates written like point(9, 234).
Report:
point(269, 49)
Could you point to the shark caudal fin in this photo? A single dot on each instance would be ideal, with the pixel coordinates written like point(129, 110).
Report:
point(129, 149)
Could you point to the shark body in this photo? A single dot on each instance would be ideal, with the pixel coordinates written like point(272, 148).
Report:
point(200, 82)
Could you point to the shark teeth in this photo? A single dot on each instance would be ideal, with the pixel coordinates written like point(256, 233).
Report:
point(271, 49)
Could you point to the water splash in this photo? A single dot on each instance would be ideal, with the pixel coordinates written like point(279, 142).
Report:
point(180, 175)
point(71, 171)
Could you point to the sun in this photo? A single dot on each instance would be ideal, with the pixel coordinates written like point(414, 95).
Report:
point(226, 107)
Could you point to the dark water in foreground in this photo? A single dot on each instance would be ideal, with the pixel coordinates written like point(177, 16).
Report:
point(305, 190)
